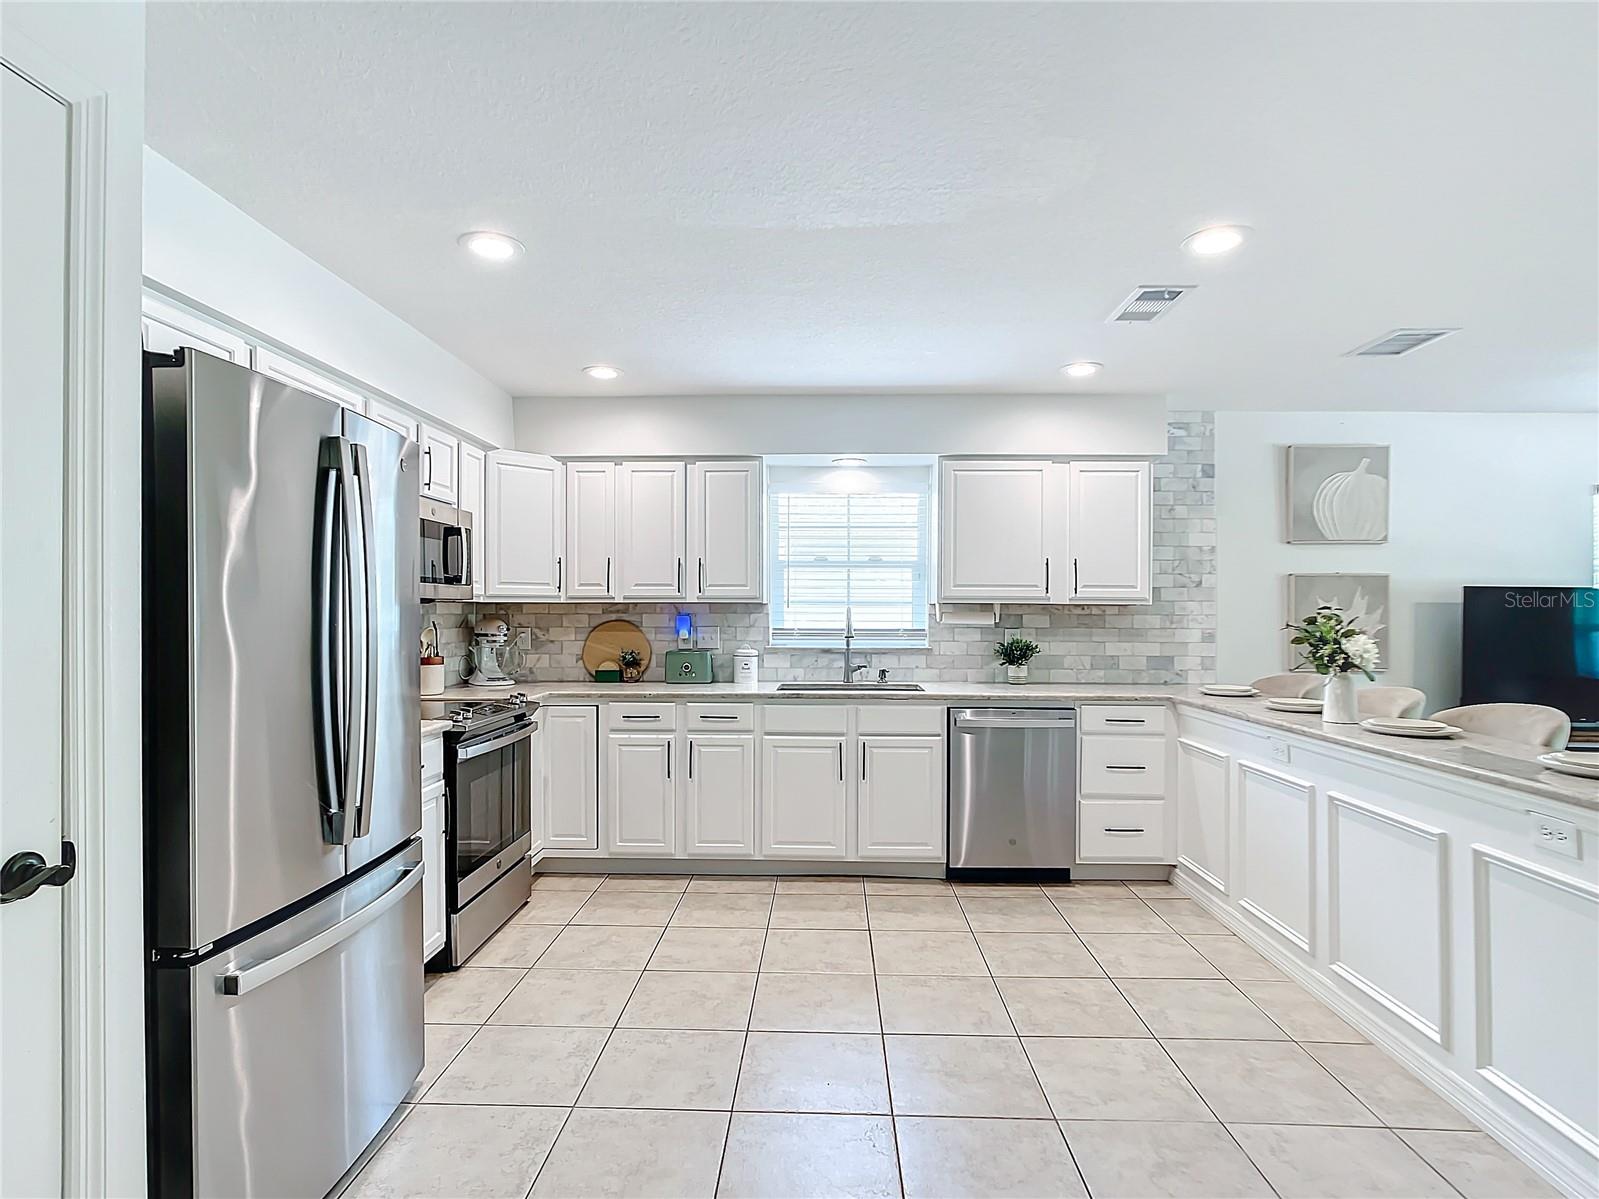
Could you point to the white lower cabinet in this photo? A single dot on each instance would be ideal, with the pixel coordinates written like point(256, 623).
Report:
point(719, 796)
point(642, 807)
point(900, 798)
point(805, 797)
point(432, 869)
point(1124, 812)
point(571, 777)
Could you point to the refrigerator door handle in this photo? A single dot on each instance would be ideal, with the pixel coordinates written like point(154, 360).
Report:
point(367, 680)
point(242, 982)
point(330, 639)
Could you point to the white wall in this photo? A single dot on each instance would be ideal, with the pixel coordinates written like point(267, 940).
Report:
point(208, 251)
point(103, 44)
point(1474, 498)
point(842, 424)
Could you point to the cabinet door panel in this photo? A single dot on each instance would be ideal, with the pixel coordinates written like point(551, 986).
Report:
point(571, 777)
point(307, 378)
point(998, 523)
point(524, 526)
point(166, 328)
point(640, 796)
point(726, 509)
point(720, 796)
point(901, 798)
point(432, 870)
point(804, 797)
point(590, 529)
point(392, 417)
point(651, 530)
point(1110, 532)
point(438, 464)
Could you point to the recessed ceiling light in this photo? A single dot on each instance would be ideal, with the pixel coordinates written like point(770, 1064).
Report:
point(489, 246)
point(1081, 370)
point(849, 461)
point(1215, 240)
point(601, 371)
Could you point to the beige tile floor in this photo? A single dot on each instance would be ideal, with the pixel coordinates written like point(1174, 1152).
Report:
point(661, 1036)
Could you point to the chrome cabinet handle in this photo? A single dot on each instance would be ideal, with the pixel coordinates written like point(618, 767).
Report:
point(1125, 720)
point(691, 757)
point(1046, 576)
point(558, 572)
point(1126, 768)
point(680, 576)
point(428, 454)
point(702, 576)
point(1121, 831)
point(1074, 576)
point(841, 761)
point(607, 576)
point(625, 716)
point(715, 716)
point(668, 759)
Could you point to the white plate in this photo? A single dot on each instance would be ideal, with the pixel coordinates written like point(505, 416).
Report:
point(1288, 703)
point(1408, 728)
point(1228, 690)
point(1559, 762)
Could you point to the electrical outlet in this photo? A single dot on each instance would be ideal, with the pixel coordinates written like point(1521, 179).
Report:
point(1555, 835)
point(1010, 633)
point(524, 639)
point(709, 637)
point(1279, 749)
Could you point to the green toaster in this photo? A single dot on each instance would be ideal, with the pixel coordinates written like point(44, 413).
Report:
point(688, 666)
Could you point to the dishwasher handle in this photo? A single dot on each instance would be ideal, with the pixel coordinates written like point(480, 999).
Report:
point(1020, 720)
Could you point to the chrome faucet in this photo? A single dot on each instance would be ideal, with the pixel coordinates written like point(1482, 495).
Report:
point(851, 667)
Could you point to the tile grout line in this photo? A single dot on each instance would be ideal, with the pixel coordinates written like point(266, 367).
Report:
point(882, 1044)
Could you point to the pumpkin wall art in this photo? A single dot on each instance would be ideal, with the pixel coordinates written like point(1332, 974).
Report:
point(1337, 494)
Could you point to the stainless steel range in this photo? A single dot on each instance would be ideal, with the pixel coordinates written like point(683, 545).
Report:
point(488, 821)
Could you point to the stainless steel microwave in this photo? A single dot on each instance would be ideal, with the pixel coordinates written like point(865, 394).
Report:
point(446, 552)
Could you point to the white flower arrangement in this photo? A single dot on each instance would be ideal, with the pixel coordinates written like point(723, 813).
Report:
point(1333, 643)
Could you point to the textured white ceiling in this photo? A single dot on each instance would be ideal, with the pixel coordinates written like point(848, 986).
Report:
point(744, 198)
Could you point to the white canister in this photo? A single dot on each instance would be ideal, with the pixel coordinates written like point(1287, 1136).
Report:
point(432, 676)
point(746, 667)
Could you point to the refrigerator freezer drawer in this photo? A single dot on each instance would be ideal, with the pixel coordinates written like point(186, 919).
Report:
point(303, 1040)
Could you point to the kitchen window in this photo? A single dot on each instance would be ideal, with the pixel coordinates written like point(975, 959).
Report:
point(849, 545)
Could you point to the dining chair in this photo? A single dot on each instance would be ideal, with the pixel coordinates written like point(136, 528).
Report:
point(1290, 686)
point(1531, 724)
point(1394, 702)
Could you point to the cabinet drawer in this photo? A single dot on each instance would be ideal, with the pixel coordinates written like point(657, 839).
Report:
point(721, 718)
point(432, 759)
point(1115, 766)
point(807, 718)
point(641, 718)
point(1132, 830)
point(1123, 718)
point(908, 719)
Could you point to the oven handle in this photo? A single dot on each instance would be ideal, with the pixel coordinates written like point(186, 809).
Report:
point(485, 747)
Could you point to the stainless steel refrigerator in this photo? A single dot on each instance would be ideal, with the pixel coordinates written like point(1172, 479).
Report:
point(282, 789)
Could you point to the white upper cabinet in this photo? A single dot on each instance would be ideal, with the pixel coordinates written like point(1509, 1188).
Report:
point(1000, 525)
point(307, 378)
point(725, 504)
point(166, 328)
point(525, 526)
point(470, 498)
point(392, 416)
point(651, 530)
point(438, 464)
point(1109, 517)
point(590, 530)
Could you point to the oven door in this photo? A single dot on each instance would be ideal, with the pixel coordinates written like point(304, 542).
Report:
point(490, 814)
point(446, 556)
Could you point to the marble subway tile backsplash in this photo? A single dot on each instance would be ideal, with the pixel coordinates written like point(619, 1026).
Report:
point(1172, 640)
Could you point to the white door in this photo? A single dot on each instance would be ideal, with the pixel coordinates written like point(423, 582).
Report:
point(641, 801)
point(725, 531)
point(470, 498)
point(999, 525)
point(432, 869)
point(571, 777)
point(651, 530)
point(900, 798)
point(34, 186)
point(719, 796)
point(391, 416)
point(438, 464)
point(523, 526)
point(307, 378)
point(166, 327)
point(804, 797)
point(590, 530)
point(1110, 533)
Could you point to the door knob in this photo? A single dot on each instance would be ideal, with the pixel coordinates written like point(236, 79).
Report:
point(25, 872)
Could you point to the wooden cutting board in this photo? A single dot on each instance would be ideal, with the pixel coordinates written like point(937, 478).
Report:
point(605, 641)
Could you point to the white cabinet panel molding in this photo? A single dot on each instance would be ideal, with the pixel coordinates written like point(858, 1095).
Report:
point(166, 327)
point(1000, 525)
point(571, 777)
point(641, 804)
point(307, 378)
point(726, 530)
point(438, 463)
point(392, 416)
point(1109, 533)
point(900, 798)
point(590, 530)
point(1538, 1043)
point(804, 797)
point(1203, 811)
point(652, 530)
point(1277, 838)
point(1388, 928)
point(525, 526)
point(719, 796)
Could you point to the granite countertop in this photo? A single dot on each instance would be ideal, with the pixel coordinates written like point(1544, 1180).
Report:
point(1482, 759)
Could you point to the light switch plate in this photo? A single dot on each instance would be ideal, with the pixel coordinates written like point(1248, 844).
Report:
point(1555, 835)
point(709, 637)
point(1279, 749)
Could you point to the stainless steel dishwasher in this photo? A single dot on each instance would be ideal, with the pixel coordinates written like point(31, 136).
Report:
point(1012, 790)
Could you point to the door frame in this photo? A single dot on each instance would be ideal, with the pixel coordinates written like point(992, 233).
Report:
point(84, 1043)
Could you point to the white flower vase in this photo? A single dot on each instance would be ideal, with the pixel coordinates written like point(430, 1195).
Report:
point(1016, 674)
point(1338, 703)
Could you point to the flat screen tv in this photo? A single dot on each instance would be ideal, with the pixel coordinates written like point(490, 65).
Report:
point(1532, 645)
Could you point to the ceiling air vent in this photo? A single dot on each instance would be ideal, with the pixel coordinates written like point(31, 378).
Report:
point(1148, 302)
point(1397, 342)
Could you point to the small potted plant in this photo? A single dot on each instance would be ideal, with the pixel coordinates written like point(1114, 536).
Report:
point(1016, 653)
point(632, 664)
point(1334, 645)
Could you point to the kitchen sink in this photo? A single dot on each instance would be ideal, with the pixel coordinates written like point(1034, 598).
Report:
point(852, 688)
